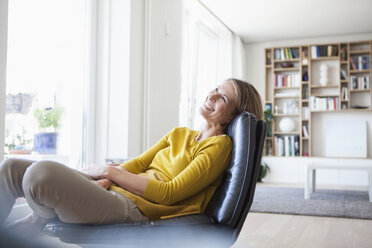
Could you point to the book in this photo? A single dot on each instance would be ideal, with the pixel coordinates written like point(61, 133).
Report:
point(277, 54)
point(294, 54)
point(286, 146)
point(313, 51)
point(360, 63)
point(305, 133)
point(292, 143)
point(353, 65)
point(329, 50)
point(297, 145)
point(282, 54)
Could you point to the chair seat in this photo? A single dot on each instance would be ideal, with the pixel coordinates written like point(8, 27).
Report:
point(197, 230)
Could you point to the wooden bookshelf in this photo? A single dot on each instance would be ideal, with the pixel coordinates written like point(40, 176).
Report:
point(302, 67)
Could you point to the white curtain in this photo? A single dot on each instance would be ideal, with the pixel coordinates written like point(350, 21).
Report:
point(207, 59)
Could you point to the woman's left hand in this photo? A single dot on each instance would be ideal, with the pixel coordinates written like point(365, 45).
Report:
point(104, 183)
point(97, 171)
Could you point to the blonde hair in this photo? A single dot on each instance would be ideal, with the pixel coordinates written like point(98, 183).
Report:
point(247, 98)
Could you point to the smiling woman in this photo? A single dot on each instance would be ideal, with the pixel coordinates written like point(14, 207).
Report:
point(177, 176)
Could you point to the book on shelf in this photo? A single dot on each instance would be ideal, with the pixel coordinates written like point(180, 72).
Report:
point(360, 82)
point(285, 54)
point(343, 74)
point(324, 51)
point(305, 113)
point(305, 93)
point(343, 54)
point(360, 62)
point(305, 131)
point(286, 80)
point(323, 103)
point(287, 145)
point(344, 93)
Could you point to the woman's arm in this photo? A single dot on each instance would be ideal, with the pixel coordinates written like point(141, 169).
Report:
point(206, 168)
point(141, 163)
point(120, 176)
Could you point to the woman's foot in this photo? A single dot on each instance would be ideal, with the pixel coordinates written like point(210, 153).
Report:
point(26, 227)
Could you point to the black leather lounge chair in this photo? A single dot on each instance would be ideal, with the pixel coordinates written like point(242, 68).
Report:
point(219, 226)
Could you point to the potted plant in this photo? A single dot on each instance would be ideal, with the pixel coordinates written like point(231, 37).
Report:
point(18, 144)
point(48, 120)
point(268, 117)
point(264, 169)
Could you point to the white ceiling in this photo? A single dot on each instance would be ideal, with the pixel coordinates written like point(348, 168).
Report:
point(268, 20)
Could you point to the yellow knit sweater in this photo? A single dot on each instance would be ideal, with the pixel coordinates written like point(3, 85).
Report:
point(183, 173)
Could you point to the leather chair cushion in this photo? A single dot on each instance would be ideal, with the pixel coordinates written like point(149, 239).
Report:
point(228, 201)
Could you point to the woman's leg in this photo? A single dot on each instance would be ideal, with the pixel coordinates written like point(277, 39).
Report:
point(52, 189)
point(11, 177)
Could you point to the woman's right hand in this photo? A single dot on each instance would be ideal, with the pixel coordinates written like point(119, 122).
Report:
point(104, 183)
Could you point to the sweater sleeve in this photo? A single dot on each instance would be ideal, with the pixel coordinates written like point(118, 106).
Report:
point(141, 163)
point(204, 169)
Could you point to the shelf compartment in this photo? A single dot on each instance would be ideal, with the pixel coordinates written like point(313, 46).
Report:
point(287, 69)
point(320, 111)
point(360, 52)
point(325, 86)
point(363, 90)
point(287, 60)
point(327, 58)
point(286, 115)
point(286, 97)
point(285, 133)
point(321, 95)
point(344, 62)
point(286, 88)
point(360, 71)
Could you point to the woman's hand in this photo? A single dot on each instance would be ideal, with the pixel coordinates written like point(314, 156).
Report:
point(97, 171)
point(104, 183)
point(120, 176)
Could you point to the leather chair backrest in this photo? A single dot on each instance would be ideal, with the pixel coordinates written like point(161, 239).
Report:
point(230, 198)
point(261, 129)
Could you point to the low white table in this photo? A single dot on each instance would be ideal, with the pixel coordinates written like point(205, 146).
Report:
point(310, 182)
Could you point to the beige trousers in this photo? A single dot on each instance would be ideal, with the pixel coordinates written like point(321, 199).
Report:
point(55, 190)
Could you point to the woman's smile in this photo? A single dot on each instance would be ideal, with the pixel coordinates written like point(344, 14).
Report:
point(208, 106)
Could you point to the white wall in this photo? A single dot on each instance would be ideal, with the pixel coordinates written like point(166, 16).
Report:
point(283, 168)
point(3, 53)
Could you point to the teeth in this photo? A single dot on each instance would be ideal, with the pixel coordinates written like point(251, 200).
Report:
point(209, 106)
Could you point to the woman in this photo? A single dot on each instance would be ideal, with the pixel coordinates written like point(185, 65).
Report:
point(176, 176)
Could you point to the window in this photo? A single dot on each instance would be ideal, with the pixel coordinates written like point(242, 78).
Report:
point(206, 60)
point(46, 79)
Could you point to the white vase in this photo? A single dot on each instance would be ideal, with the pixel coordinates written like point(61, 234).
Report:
point(324, 74)
point(287, 125)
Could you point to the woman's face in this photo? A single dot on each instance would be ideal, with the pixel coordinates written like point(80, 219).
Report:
point(219, 105)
